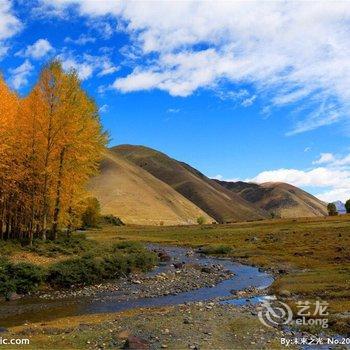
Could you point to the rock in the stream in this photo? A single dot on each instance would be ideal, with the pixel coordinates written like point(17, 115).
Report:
point(178, 265)
point(163, 256)
point(136, 343)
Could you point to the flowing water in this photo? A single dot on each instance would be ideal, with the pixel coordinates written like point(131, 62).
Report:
point(34, 309)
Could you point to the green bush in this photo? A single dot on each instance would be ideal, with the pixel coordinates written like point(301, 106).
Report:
point(332, 209)
point(27, 277)
point(142, 260)
point(115, 266)
point(91, 269)
point(76, 271)
point(64, 245)
point(217, 250)
point(91, 215)
point(128, 246)
point(201, 220)
point(7, 285)
point(21, 278)
point(112, 220)
point(8, 247)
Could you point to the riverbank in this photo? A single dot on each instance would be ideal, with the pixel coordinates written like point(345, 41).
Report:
point(198, 325)
point(182, 276)
point(196, 318)
point(309, 257)
point(182, 279)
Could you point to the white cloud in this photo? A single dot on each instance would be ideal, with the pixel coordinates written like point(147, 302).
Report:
point(242, 96)
point(248, 101)
point(19, 75)
point(3, 51)
point(86, 65)
point(9, 25)
point(38, 50)
point(289, 51)
point(324, 158)
point(83, 39)
point(332, 179)
point(221, 178)
point(104, 108)
point(84, 70)
point(342, 194)
point(173, 110)
point(318, 177)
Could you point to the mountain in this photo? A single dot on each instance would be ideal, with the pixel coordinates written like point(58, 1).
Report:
point(278, 199)
point(137, 197)
point(340, 207)
point(217, 201)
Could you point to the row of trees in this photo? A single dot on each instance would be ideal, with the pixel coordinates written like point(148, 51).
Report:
point(50, 144)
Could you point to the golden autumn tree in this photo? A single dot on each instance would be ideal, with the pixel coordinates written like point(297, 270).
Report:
point(53, 141)
point(8, 186)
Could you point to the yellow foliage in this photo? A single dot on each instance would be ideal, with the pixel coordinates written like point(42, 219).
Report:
point(51, 143)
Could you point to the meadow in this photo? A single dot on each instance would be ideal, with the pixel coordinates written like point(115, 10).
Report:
point(309, 257)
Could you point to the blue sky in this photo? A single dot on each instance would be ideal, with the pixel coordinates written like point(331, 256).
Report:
point(250, 91)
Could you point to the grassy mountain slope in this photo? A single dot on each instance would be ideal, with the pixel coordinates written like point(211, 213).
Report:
point(137, 197)
point(277, 198)
point(218, 202)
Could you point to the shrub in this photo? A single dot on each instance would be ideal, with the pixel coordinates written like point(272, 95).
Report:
point(26, 277)
point(347, 206)
point(21, 278)
point(91, 215)
point(76, 271)
point(220, 249)
point(112, 220)
point(127, 246)
point(91, 269)
point(63, 245)
point(115, 266)
point(7, 285)
point(201, 220)
point(143, 260)
point(9, 246)
point(332, 209)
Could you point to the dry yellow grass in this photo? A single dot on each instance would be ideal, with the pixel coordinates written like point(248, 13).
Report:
point(131, 193)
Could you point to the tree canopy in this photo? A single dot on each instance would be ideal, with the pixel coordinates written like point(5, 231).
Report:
point(51, 143)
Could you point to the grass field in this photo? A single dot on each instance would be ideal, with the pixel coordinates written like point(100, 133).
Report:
point(312, 255)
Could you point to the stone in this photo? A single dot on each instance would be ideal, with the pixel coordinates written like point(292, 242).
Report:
point(13, 296)
point(136, 343)
point(163, 256)
point(285, 293)
point(178, 265)
point(206, 269)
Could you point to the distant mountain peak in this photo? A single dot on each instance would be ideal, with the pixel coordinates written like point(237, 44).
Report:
point(340, 207)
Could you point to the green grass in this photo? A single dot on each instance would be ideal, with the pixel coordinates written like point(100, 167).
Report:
point(81, 262)
point(315, 253)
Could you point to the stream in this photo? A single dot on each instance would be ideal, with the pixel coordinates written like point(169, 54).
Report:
point(34, 309)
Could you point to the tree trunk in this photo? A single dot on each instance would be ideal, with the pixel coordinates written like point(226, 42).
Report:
point(58, 195)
